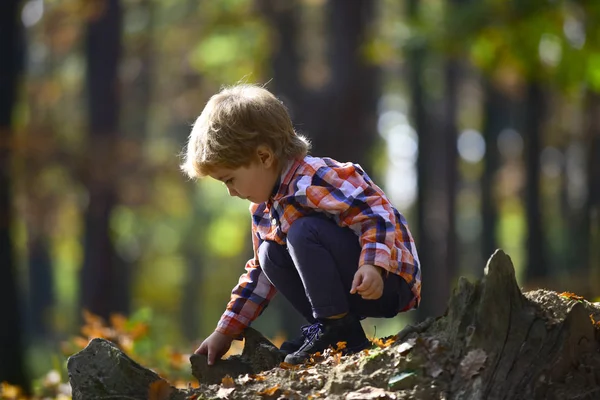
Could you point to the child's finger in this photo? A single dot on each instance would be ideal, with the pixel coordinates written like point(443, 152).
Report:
point(211, 357)
point(356, 282)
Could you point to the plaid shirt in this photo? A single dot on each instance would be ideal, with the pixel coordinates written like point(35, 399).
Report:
point(345, 193)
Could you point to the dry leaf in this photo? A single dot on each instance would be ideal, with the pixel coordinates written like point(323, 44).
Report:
point(224, 392)
point(269, 391)
point(369, 393)
point(341, 345)
point(571, 296)
point(227, 382)
point(472, 363)
point(285, 365)
point(159, 390)
point(381, 343)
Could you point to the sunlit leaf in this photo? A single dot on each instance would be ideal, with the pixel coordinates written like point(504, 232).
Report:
point(227, 382)
point(159, 390)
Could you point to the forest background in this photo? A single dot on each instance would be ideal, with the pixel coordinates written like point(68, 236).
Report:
point(480, 119)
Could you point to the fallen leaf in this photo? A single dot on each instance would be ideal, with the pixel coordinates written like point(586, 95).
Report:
point(227, 382)
point(571, 296)
point(472, 363)
point(269, 391)
point(406, 346)
point(159, 390)
point(369, 393)
point(245, 379)
point(337, 358)
point(341, 345)
point(224, 392)
point(285, 365)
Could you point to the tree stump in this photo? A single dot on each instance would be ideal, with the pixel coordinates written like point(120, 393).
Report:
point(524, 346)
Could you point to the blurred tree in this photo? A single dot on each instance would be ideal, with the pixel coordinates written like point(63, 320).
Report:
point(104, 278)
point(534, 109)
point(11, 337)
point(345, 110)
point(590, 243)
point(436, 166)
point(495, 120)
point(285, 65)
point(434, 278)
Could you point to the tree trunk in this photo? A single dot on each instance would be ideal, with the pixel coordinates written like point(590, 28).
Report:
point(348, 111)
point(11, 338)
point(41, 294)
point(449, 136)
point(104, 280)
point(435, 208)
point(591, 241)
point(534, 109)
point(283, 17)
point(496, 117)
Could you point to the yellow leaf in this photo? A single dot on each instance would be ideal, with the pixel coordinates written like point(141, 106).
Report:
point(571, 296)
point(118, 322)
point(159, 390)
point(269, 391)
point(227, 382)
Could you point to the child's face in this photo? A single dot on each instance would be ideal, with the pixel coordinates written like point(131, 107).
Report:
point(254, 182)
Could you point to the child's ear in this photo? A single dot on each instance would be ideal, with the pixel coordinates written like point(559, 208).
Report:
point(265, 155)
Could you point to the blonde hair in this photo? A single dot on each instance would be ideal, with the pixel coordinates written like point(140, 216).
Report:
point(233, 124)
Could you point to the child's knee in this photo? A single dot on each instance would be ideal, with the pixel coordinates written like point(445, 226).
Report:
point(302, 230)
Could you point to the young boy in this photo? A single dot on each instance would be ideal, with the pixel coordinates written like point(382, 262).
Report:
point(324, 234)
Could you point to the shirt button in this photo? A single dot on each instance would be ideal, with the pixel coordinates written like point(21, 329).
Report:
point(273, 221)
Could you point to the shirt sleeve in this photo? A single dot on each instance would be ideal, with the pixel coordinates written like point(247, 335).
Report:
point(355, 203)
point(249, 297)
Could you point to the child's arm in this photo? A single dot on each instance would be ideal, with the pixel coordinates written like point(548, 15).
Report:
point(252, 293)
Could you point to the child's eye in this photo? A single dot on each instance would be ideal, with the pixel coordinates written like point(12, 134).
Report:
point(229, 181)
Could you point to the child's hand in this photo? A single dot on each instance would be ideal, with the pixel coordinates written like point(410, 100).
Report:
point(215, 346)
point(368, 282)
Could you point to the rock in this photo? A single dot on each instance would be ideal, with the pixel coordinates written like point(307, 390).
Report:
point(102, 370)
point(259, 355)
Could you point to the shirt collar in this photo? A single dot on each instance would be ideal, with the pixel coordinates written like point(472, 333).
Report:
point(281, 186)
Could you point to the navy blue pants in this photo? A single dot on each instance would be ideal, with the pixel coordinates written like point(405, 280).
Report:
point(315, 272)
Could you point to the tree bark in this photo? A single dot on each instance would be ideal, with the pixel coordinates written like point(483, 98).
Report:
point(104, 280)
point(11, 337)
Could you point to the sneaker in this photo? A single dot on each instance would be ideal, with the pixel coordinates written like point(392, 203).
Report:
point(327, 333)
point(290, 346)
